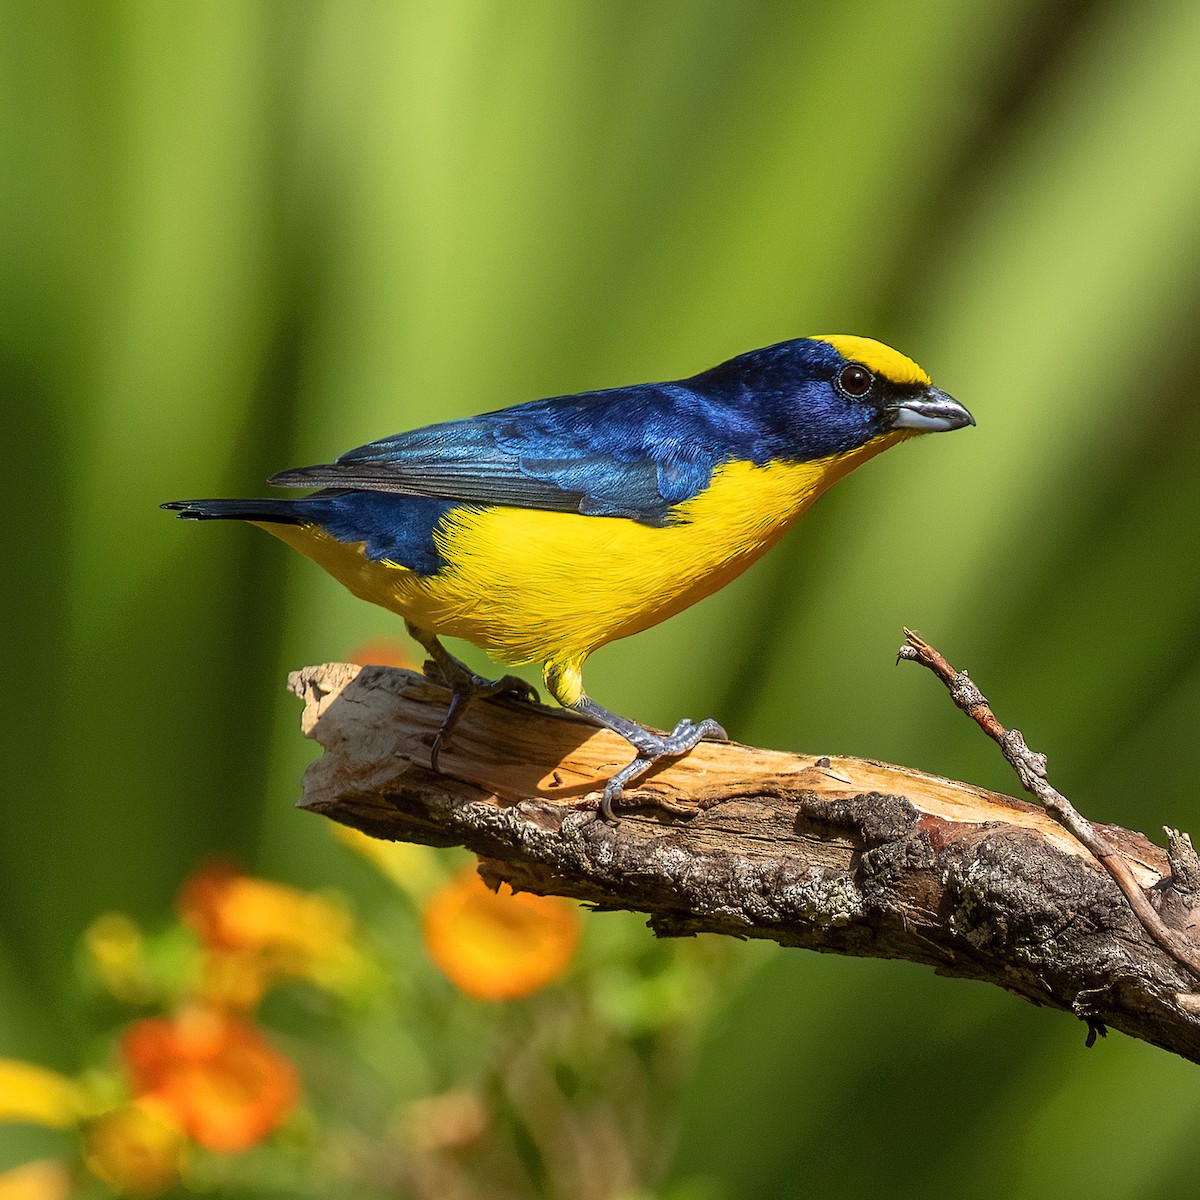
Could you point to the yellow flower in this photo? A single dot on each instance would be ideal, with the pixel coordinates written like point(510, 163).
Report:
point(115, 949)
point(33, 1094)
point(497, 946)
point(41, 1180)
point(137, 1149)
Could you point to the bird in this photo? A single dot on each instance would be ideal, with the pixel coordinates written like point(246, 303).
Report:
point(543, 531)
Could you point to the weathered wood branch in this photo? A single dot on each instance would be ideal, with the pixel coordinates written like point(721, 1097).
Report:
point(841, 855)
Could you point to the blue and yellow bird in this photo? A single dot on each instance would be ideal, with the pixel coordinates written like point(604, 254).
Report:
point(546, 530)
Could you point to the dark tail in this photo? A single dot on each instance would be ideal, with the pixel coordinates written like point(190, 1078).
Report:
point(279, 512)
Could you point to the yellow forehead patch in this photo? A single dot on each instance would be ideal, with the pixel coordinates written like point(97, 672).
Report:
point(877, 357)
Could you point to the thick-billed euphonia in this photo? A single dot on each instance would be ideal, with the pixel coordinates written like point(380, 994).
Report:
point(543, 531)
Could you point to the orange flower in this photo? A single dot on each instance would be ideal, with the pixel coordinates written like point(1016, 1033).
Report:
point(499, 946)
point(257, 932)
point(137, 1149)
point(223, 1082)
point(384, 652)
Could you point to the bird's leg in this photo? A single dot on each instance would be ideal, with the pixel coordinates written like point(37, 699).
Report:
point(650, 747)
point(464, 686)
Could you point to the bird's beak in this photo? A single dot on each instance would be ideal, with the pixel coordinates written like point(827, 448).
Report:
point(930, 412)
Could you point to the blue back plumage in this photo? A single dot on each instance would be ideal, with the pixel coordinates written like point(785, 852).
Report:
point(624, 452)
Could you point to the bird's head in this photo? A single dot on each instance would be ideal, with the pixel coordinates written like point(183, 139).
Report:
point(885, 388)
point(830, 395)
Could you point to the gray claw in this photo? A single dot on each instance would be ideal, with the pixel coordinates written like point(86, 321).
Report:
point(650, 748)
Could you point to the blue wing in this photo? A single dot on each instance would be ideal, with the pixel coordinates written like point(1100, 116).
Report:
point(624, 452)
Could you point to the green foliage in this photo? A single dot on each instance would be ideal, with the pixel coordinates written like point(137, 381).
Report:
point(241, 237)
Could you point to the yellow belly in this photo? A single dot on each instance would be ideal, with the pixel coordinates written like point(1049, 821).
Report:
point(527, 585)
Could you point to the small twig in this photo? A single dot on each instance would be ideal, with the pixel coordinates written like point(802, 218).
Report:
point(1030, 767)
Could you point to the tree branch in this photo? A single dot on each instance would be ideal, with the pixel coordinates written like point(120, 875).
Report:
point(841, 855)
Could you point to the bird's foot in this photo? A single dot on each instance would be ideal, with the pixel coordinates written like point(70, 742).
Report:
point(465, 686)
point(650, 748)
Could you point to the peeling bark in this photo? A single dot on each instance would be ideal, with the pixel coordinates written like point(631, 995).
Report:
point(841, 855)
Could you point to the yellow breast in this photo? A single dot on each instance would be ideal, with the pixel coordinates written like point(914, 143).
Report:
point(529, 585)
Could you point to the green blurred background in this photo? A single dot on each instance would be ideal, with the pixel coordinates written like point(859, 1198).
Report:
point(239, 237)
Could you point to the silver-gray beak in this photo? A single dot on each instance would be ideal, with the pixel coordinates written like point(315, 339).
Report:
point(933, 411)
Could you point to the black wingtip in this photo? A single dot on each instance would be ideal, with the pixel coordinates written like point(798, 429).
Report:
point(271, 511)
point(298, 477)
point(185, 508)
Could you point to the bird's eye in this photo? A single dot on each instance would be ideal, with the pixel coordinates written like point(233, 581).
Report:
point(854, 381)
